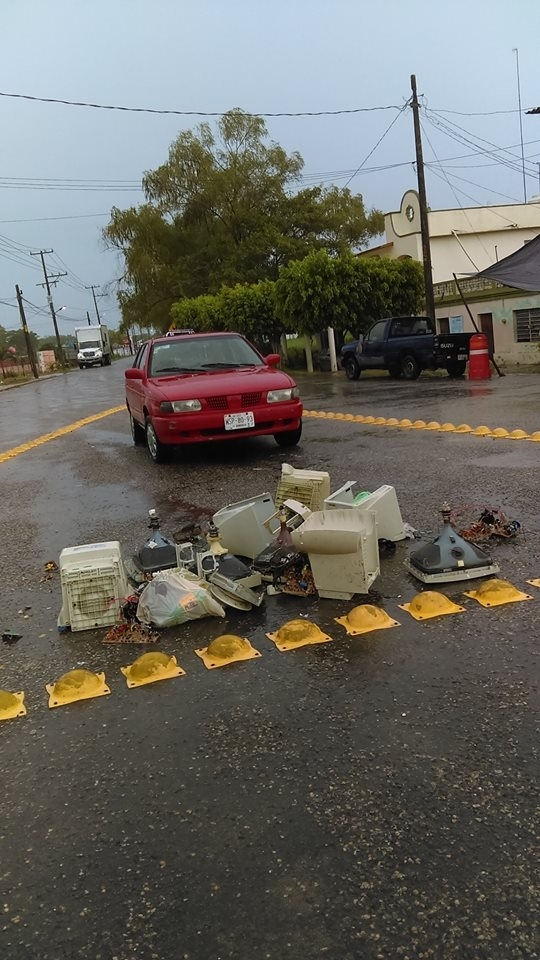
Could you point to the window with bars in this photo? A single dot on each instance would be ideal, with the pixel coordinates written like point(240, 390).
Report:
point(527, 324)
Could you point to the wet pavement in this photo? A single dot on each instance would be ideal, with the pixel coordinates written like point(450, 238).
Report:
point(374, 797)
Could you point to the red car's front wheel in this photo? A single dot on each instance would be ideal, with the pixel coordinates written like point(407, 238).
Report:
point(159, 452)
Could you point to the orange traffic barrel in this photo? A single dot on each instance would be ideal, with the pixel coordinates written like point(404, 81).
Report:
point(479, 368)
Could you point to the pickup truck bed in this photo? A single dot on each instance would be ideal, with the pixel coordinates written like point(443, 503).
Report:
point(405, 346)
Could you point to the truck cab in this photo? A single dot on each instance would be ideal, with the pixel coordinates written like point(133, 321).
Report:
point(93, 346)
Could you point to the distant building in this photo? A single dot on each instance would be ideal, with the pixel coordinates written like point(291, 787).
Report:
point(466, 241)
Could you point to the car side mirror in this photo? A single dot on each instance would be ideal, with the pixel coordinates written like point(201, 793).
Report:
point(272, 360)
point(133, 373)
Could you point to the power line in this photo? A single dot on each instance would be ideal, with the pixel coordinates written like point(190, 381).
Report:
point(372, 151)
point(194, 113)
point(77, 216)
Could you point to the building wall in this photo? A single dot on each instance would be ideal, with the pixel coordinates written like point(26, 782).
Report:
point(502, 309)
point(463, 241)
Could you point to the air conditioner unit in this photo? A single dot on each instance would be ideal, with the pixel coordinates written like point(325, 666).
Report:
point(382, 502)
point(310, 487)
point(94, 586)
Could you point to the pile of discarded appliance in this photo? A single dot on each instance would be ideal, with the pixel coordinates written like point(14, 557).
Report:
point(304, 541)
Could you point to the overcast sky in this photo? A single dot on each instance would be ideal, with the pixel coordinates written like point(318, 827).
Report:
point(279, 56)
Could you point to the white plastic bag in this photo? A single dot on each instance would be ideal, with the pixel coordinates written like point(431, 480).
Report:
point(170, 599)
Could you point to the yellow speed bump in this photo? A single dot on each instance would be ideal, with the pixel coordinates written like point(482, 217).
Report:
point(392, 422)
point(535, 436)
point(518, 435)
point(365, 618)
point(228, 648)
point(380, 420)
point(76, 685)
point(482, 431)
point(428, 604)
point(151, 667)
point(297, 633)
point(463, 428)
point(534, 583)
point(494, 593)
point(447, 428)
point(419, 425)
point(500, 433)
point(11, 705)
point(369, 419)
point(433, 425)
point(405, 423)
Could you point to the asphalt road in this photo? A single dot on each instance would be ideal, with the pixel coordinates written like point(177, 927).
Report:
point(373, 798)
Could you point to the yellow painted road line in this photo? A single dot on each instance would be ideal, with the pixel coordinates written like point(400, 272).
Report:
point(61, 432)
point(497, 433)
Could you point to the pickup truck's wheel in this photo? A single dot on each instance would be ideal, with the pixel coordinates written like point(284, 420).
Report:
point(290, 438)
point(137, 431)
point(352, 370)
point(159, 452)
point(410, 368)
point(395, 372)
point(456, 368)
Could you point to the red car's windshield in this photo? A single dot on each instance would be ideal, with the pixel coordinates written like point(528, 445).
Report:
point(200, 354)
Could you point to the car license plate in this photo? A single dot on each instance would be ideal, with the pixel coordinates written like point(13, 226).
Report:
point(238, 421)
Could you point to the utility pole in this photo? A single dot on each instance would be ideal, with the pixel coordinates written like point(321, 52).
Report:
point(516, 51)
point(424, 220)
point(93, 287)
point(54, 278)
point(88, 318)
point(29, 347)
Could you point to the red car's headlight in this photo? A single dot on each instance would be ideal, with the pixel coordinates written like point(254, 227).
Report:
point(180, 406)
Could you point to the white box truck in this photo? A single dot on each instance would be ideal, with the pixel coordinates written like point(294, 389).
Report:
point(93, 346)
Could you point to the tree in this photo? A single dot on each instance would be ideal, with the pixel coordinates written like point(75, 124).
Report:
point(222, 210)
point(347, 293)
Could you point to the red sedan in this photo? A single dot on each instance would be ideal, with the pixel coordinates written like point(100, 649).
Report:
point(192, 387)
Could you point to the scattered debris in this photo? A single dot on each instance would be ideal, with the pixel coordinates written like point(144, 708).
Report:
point(11, 638)
point(173, 598)
point(491, 524)
point(134, 632)
point(50, 568)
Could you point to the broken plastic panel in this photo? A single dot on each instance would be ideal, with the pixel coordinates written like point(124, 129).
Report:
point(248, 526)
point(297, 633)
point(310, 487)
point(11, 705)
point(151, 667)
point(495, 593)
point(342, 549)
point(228, 648)
point(365, 618)
point(236, 593)
point(382, 502)
point(429, 604)
point(76, 685)
point(449, 557)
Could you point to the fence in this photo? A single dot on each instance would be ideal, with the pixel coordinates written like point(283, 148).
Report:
point(19, 367)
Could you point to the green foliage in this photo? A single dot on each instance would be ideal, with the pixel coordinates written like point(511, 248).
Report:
point(347, 293)
point(221, 211)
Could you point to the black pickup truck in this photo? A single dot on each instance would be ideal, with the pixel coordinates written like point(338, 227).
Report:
point(405, 346)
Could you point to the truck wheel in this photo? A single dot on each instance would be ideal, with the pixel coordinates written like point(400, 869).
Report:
point(159, 453)
point(395, 372)
point(81, 366)
point(352, 370)
point(410, 368)
point(456, 368)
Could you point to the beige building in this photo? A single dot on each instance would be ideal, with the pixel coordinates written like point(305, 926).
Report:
point(464, 242)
